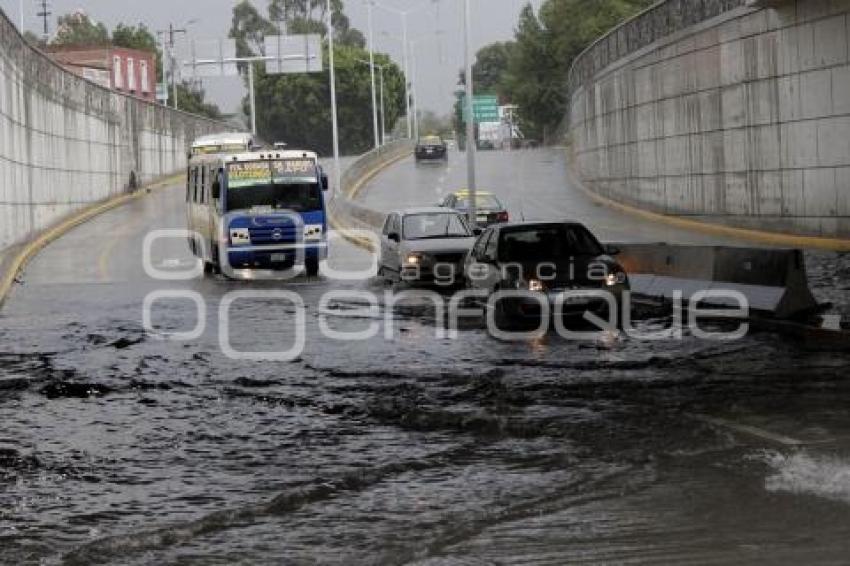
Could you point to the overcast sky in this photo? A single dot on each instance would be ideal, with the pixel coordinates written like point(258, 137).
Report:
point(439, 55)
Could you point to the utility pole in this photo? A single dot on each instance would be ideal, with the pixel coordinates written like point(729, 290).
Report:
point(44, 14)
point(470, 117)
point(169, 44)
point(21, 14)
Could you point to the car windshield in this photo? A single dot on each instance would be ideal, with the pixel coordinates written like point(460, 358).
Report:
point(427, 226)
point(549, 243)
point(482, 201)
point(300, 197)
point(431, 140)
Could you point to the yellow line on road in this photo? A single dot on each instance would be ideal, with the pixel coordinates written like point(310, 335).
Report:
point(31, 249)
point(339, 225)
point(761, 236)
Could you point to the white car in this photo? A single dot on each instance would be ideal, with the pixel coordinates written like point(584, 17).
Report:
point(425, 245)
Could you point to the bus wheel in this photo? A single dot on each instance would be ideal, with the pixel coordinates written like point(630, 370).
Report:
point(311, 264)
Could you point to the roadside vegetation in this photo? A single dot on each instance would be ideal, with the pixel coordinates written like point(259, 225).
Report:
point(531, 71)
point(296, 109)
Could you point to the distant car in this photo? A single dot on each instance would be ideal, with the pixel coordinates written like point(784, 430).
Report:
point(543, 257)
point(425, 245)
point(431, 148)
point(488, 210)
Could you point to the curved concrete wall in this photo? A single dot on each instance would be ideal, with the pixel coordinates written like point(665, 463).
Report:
point(66, 143)
point(733, 111)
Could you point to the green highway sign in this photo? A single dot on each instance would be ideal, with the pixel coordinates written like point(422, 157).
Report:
point(485, 108)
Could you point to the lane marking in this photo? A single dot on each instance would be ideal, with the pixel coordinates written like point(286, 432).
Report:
point(78, 218)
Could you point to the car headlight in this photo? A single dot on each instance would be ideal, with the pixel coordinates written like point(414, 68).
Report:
point(240, 236)
point(535, 286)
point(612, 279)
point(413, 259)
point(313, 232)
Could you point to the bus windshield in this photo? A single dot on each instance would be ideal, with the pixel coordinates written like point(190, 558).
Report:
point(299, 197)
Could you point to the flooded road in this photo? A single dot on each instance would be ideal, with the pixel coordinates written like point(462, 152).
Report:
point(118, 447)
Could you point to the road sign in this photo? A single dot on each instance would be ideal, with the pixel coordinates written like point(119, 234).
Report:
point(291, 54)
point(212, 58)
point(162, 92)
point(485, 108)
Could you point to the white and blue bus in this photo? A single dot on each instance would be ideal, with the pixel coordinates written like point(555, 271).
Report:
point(260, 210)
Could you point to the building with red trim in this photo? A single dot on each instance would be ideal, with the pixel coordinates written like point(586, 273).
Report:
point(130, 71)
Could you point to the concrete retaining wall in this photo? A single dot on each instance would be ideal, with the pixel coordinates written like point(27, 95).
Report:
point(66, 143)
point(344, 206)
point(731, 111)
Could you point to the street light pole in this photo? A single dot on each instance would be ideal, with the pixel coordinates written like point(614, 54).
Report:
point(372, 77)
point(406, 72)
point(470, 117)
point(252, 95)
point(21, 13)
point(383, 109)
point(334, 120)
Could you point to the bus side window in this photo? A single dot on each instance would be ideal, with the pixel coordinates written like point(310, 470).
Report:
point(195, 186)
point(188, 182)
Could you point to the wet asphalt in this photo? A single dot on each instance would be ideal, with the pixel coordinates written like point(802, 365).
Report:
point(121, 447)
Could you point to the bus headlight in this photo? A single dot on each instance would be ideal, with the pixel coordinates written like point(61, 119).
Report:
point(535, 286)
point(413, 259)
point(612, 279)
point(240, 236)
point(313, 232)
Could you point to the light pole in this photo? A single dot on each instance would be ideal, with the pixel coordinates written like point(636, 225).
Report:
point(334, 119)
point(21, 13)
point(404, 14)
point(369, 4)
point(470, 117)
point(381, 103)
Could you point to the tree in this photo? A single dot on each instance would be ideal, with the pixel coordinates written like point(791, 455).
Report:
point(249, 28)
point(78, 29)
point(190, 99)
point(295, 108)
point(544, 47)
point(491, 65)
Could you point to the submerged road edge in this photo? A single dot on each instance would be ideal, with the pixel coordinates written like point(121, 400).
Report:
point(19, 259)
point(760, 236)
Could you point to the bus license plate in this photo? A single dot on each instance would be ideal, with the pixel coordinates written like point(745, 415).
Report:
point(278, 258)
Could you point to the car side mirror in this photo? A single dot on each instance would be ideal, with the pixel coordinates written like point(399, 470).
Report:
point(477, 231)
point(216, 190)
point(394, 237)
point(612, 250)
point(487, 258)
point(324, 181)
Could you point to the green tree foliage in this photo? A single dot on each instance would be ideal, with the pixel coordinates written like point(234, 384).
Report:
point(544, 47)
point(296, 108)
point(192, 100)
point(249, 28)
point(78, 29)
point(491, 65)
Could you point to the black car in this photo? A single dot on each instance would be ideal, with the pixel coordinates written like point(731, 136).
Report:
point(488, 208)
point(431, 148)
point(544, 258)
